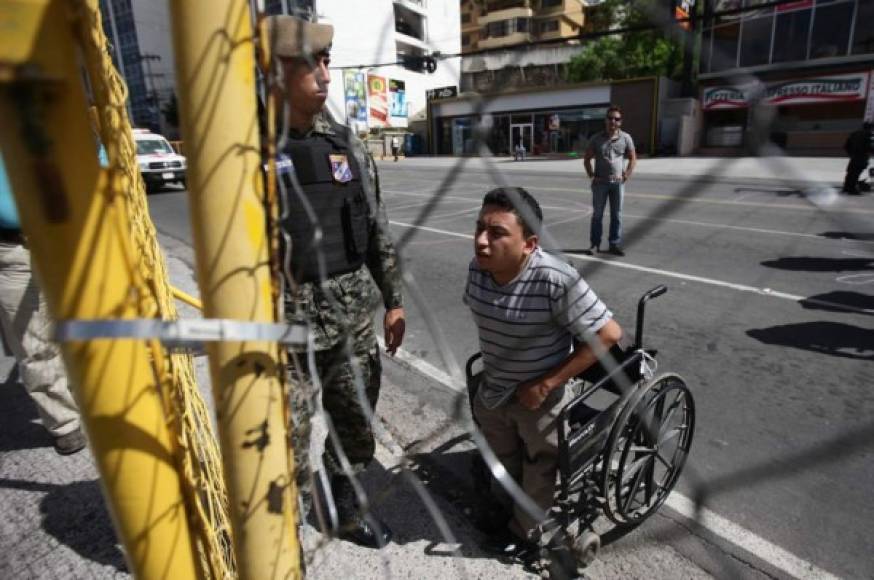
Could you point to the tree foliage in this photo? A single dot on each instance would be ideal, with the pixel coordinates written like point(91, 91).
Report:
point(656, 52)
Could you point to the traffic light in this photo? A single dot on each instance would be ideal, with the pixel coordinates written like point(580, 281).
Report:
point(418, 63)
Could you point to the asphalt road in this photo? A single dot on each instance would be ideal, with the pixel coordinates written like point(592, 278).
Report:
point(768, 317)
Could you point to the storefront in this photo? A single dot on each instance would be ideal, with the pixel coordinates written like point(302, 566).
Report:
point(813, 114)
point(545, 122)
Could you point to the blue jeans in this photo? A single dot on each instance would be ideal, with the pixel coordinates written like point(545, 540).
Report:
point(602, 191)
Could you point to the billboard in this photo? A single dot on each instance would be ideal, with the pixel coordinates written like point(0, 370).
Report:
point(398, 103)
point(377, 99)
point(356, 97)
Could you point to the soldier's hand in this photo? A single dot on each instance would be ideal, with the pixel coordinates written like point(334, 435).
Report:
point(395, 324)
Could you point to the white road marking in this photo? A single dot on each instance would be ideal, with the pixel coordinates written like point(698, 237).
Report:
point(664, 196)
point(747, 540)
point(671, 220)
point(679, 275)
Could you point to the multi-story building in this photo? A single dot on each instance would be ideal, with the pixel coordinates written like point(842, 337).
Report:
point(141, 48)
point(514, 89)
point(505, 23)
point(811, 62)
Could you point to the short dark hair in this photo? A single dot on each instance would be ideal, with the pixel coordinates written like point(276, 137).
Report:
point(518, 201)
point(614, 108)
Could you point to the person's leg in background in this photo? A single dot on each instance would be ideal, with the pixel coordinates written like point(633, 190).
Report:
point(616, 195)
point(599, 201)
point(27, 329)
point(854, 169)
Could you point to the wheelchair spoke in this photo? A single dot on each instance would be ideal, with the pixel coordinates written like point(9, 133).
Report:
point(664, 461)
point(669, 415)
point(641, 449)
point(673, 433)
point(633, 491)
point(637, 465)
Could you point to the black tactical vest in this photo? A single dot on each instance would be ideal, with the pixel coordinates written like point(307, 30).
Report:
point(339, 209)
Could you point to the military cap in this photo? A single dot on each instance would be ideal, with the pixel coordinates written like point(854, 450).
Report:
point(292, 37)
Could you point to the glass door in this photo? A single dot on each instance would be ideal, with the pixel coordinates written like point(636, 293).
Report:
point(524, 134)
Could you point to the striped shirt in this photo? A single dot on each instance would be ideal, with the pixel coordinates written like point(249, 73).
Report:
point(527, 326)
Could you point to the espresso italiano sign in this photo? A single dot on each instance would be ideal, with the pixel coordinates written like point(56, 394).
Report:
point(838, 88)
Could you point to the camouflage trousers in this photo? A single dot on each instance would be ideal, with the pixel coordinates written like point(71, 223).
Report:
point(341, 400)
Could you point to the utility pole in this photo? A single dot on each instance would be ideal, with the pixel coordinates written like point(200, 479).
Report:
point(148, 58)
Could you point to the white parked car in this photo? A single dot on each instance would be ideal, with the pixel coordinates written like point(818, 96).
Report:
point(159, 163)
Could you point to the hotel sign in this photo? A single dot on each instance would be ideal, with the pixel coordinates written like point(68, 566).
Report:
point(837, 88)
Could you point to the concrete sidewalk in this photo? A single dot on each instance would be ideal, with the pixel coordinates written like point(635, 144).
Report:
point(817, 169)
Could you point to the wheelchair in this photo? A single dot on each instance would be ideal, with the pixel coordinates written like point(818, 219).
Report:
point(622, 440)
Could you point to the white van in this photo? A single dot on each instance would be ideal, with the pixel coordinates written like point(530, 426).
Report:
point(159, 163)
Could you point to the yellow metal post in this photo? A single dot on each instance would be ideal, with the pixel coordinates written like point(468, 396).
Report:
point(215, 62)
point(77, 232)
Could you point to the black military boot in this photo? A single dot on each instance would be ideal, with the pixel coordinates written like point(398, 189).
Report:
point(370, 532)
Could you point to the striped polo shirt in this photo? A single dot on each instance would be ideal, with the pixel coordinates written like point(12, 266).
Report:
point(527, 326)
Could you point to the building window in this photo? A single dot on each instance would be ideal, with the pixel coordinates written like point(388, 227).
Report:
point(465, 40)
point(409, 22)
point(725, 41)
point(863, 36)
point(506, 27)
point(550, 3)
point(790, 36)
point(755, 43)
point(505, 4)
point(549, 26)
point(831, 29)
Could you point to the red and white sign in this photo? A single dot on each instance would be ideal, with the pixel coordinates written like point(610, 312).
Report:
point(825, 89)
point(377, 101)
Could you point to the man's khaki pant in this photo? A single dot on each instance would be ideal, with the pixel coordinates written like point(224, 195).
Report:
point(526, 442)
point(26, 328)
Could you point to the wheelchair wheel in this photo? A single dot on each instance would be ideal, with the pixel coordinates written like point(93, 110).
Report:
point(646, 450)
point(586, 548)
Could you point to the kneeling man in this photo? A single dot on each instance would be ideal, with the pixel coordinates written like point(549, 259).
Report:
point(530, 307)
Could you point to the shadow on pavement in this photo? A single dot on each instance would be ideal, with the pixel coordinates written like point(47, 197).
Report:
point(393, 497)
point(848, 236)
point(20, 423)
point(840, 298)
point(831, 338)
point(804, 264)
point(76, 516)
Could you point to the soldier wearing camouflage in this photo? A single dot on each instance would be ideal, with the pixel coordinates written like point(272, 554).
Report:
point(329, 185)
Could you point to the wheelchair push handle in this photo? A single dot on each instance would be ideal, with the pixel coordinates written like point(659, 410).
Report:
point(641, 307)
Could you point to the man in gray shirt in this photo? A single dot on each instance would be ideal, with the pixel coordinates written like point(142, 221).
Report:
point(610, 148)
point(530, 307)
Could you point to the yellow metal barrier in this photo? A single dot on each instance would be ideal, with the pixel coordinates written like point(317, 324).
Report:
point(215, 68)
point(79, 237)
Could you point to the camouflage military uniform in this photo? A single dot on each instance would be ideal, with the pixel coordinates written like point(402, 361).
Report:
point(339, 313)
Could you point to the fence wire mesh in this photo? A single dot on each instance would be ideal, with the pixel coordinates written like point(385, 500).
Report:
point(703, 489)
point(414, 470)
